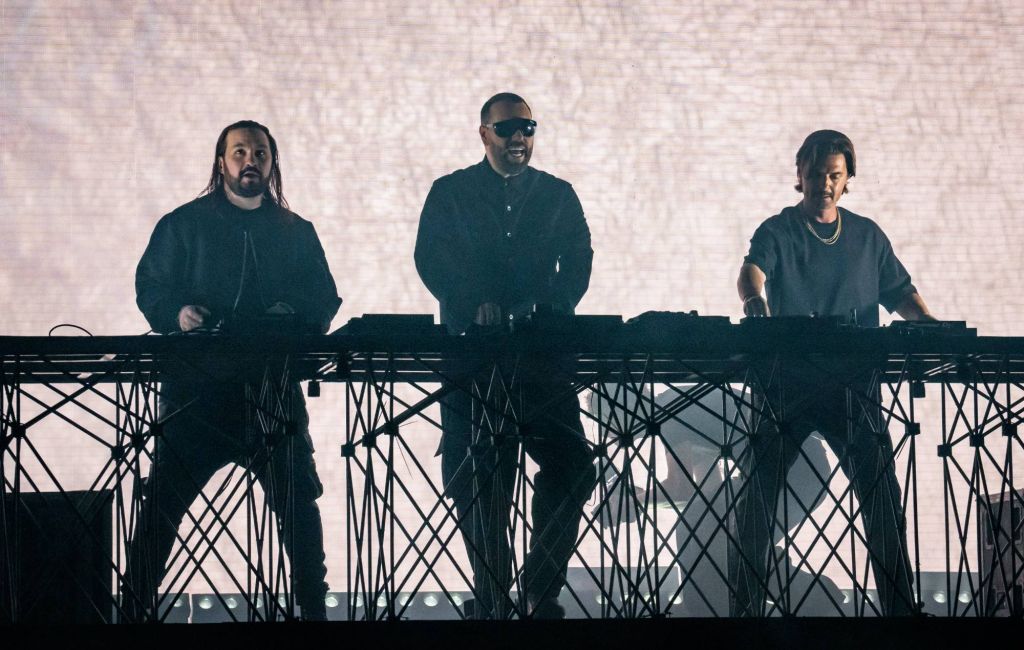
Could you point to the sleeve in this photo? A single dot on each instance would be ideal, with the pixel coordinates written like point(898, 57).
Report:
point(576, 259)
point(440, 259)
point(764, 249)
point(159, 290)
point(317, 300)
point(893, 279)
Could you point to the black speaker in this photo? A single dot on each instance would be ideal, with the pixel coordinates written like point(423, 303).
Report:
point(56, 562)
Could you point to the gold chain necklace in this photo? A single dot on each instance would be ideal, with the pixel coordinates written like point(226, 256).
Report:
point(835, 236)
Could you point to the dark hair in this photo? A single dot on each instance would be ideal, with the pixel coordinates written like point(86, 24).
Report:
point(511, 98)
point(216, 184)
point(820, 145)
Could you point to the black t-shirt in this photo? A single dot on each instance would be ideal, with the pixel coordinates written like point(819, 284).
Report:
point(805, 275)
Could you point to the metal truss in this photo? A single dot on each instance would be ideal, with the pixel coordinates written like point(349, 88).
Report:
point(675, 434)
point(102, 400)
point(670, 434)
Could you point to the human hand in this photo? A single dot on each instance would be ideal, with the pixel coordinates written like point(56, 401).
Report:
point(191, 317)
point(756, 307)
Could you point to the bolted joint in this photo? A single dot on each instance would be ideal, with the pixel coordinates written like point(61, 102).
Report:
point(1010, 429)
point(913, 428)
point(156, 429)
point(945, 451)
point(977, 439)
point(313, 388)
point(391, 428)
point(348, 450)
point(601, 451)
point(118, 452)
point(653, 428)
point(917, 389)
point(370, 439)
point(726, 451)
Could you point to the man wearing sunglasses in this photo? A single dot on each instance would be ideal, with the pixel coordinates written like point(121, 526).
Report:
point(496, 240)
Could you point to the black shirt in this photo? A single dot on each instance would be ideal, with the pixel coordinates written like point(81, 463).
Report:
point(516, 242)
point(805, 276)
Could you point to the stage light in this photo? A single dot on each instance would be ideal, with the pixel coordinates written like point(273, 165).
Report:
point(939, 597)
point(205, 602)
point(457, 599)
point(331, 601)
point(430, 600)
point(231, 602)
point(382, 601)
point(964, 597)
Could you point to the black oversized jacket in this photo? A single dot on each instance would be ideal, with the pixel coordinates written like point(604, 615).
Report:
point(516, 242)
point(197, 254)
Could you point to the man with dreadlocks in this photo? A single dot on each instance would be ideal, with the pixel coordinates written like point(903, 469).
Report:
point(231, 257)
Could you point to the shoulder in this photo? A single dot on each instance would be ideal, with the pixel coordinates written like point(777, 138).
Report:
point(550, 183)
point(288, 218)
point(459, 178)
point(862, 225)
point(780, 223)
point(186, 216)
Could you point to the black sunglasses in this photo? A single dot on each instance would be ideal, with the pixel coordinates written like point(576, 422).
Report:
point(508, 128)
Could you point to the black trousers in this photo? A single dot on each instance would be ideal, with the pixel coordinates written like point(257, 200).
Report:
point(480, 461)
point(205, 429)
point(843, 406)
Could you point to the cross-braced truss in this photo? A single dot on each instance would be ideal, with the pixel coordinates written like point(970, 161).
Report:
point(721, 478)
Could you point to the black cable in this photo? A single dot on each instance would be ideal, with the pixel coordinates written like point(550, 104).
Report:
point(77, 327)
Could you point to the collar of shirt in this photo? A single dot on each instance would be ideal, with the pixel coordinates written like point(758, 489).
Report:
point(493, 180)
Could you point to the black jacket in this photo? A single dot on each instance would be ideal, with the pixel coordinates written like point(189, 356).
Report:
point(197, 254)
point(516, 242)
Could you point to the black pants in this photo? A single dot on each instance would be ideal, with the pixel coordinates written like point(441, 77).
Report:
point(804, 398)
point(207, 428)
point(480, 454)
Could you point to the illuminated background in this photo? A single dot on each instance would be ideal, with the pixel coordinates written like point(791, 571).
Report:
point(676, 122)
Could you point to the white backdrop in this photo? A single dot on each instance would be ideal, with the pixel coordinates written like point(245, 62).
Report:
point(676, 122)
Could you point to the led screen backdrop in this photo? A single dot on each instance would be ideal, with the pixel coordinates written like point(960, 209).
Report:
point(677, 123)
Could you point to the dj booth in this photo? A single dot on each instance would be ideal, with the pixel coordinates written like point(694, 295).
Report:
point(672, 407)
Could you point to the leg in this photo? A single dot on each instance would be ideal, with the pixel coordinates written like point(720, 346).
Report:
point(554, 439)
point(185, 460)
point(770, 452)
point(292, 486)
point(479, 475)
point(868, 461)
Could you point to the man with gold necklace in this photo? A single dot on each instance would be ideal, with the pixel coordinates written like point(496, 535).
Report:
point(814, 258)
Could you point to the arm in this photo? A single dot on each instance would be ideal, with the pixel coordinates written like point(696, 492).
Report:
point(576, 259)
point(316, 299)
point(442, 264)
point(158, 290)
point(750, 286)
point(912, 307)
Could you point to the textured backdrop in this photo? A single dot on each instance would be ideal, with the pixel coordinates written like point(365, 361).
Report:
point(676, 122)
